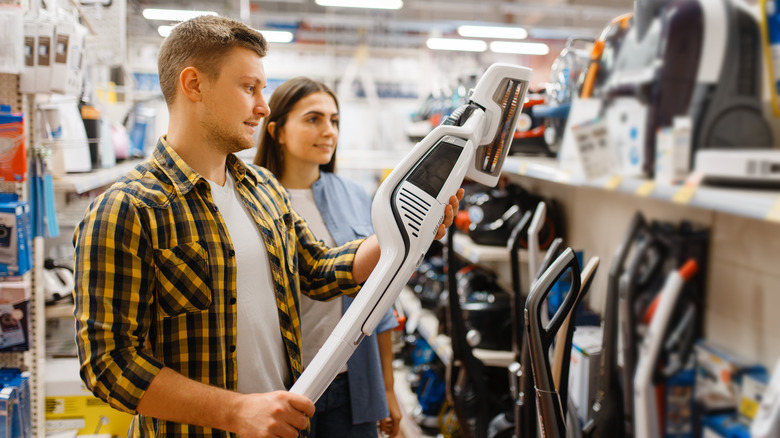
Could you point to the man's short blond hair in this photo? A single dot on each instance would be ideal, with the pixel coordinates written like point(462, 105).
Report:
point(203, 42)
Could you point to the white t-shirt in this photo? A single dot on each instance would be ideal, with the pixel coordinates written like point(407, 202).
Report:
point(262, 359)
point(318, 318)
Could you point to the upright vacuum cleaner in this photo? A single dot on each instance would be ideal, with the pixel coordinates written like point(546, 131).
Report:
point(549, 408)
point(646, 413)
point(605, 418)
point(409, 207)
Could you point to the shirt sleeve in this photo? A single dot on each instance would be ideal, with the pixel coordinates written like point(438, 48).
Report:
point(324, 273)
point(388, 322)
point(113, 295)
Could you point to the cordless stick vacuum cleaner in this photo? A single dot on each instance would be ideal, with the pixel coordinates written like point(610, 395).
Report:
point(549, 409)
point(605, 418)
point(409, 207)
point(646, 412)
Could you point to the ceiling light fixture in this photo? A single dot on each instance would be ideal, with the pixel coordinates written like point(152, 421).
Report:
point(520, 48)
point(277, 36)
point(164, 31)
point(369, 4)
point(498, 32)
point(456, 44)
point(173, 14)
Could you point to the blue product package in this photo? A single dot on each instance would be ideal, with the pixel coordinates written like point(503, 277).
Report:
point(19, 382)
point(725, 426)
point(15, 243)
point(679, 405)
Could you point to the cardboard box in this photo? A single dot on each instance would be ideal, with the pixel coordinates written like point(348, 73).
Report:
point(585, 369)
point(71, 406)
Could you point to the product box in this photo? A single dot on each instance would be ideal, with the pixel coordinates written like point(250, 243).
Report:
point(15, 239)
point(752, 392)
point(27, 79)
point(45, 56)
point(678, 405)
point(719, 376)
point(15, 393)
point(13, 148)
point(673, 152)
point(67, 60)
point(15, 315)
point(585, 368)
point(70, 406)
point(723, 426)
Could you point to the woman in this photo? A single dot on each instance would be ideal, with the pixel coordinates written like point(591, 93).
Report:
point(297, 144)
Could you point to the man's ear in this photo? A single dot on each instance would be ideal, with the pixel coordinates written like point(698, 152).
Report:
point(190, 83)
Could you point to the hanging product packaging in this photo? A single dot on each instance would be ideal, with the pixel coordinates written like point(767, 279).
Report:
point(770, 20)
point(13, 153)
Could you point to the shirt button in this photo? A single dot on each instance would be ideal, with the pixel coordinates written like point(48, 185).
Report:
point(214, 208)
point(232, 300)
point(231, 253)
point(232, 348)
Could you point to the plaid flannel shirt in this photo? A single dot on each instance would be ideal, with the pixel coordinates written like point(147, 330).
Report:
point(156, 281)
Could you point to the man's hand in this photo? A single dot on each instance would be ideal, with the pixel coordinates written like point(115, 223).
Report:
point(273, 414)
point(449, 213)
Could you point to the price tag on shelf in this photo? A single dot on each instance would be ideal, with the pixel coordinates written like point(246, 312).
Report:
point(645, 188)
point(685, 194)
point(613, 183)
point(774, 213)
point(523, 168)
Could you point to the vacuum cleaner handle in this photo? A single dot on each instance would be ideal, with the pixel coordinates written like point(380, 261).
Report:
point(563, 340)
point(553, 251)
point(540, 337)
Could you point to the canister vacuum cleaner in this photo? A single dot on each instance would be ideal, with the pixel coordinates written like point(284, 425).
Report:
point(409, 207)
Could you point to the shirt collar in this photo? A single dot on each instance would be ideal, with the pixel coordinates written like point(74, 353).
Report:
point(185, 178)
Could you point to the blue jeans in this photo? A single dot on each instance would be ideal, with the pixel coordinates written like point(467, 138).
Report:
point(333, 415)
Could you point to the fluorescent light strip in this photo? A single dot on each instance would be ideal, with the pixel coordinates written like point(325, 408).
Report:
point(164, 31)
point(456, 44)
point(368, 4)
point(173, 14)
point(498, 32)
point(520, 48)
point(277, 36)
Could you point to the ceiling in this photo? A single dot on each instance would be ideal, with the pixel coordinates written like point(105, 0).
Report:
point(408, 27)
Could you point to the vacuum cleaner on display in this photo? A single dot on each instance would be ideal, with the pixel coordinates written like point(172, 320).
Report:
point(605, 417)
point(550, 412)
point(698, 59)
point(646, 413)
point(409, 207)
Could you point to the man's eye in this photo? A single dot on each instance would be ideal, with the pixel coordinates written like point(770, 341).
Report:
point(250, 88)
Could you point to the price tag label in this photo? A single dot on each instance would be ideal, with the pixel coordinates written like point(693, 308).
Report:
point(684, 194)
point(645, 189)
point(523, 168)
point(613, 182)
point(774, 213)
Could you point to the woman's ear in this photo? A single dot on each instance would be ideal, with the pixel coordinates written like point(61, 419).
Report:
point(273, 133)
point(272, 129)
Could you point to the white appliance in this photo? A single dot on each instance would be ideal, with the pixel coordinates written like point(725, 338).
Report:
point(739, 167)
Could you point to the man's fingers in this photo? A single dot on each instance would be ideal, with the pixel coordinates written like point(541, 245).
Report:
point(302, 403)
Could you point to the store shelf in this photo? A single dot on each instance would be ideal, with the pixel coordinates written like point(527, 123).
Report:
point(757, 204)
point(84, 182)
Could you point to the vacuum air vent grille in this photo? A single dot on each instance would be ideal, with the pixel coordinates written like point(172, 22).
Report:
point(413, 209)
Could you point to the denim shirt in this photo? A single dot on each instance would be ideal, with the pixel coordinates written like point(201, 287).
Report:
point(346, 210)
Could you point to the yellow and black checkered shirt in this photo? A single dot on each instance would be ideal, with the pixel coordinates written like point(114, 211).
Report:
point(156, 281)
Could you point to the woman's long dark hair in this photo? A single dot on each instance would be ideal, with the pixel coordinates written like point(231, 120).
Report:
point(283, 99)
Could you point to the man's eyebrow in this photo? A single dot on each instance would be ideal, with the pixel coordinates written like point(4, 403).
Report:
point(255, 79)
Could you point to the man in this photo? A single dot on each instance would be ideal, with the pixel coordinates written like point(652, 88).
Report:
point(188, 269)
